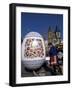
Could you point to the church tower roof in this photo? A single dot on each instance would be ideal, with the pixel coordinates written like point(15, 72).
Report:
point(57, 29)
point(50, 29)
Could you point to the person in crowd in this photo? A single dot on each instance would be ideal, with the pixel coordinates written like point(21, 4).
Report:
point(53, 56)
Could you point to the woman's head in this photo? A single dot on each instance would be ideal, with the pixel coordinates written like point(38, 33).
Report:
point(50, 45)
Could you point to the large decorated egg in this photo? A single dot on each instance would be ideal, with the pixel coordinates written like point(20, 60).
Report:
point(33, 50)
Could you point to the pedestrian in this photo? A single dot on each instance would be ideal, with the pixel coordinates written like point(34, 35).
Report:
point(53, 56)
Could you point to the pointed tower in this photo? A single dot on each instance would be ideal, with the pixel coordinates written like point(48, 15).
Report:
point(50, 35)
point(58, 35)
point(57, 32)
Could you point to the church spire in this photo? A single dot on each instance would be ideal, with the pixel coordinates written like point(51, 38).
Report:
point(57, 29)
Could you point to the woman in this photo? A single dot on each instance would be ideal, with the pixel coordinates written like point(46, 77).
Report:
point(53, 57)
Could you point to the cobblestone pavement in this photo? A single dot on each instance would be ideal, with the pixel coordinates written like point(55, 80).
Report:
point(43, 71)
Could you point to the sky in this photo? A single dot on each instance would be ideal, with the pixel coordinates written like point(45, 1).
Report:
point(40, 23)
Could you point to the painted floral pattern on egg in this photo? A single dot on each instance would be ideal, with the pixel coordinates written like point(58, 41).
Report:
point(33, 48)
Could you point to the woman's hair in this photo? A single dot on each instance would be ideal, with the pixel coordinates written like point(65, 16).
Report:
point(49, 44)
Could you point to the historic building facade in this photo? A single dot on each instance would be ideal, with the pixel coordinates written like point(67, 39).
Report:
point(54, 36)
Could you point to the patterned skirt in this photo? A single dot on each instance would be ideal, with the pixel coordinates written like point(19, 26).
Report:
point(53, 60)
